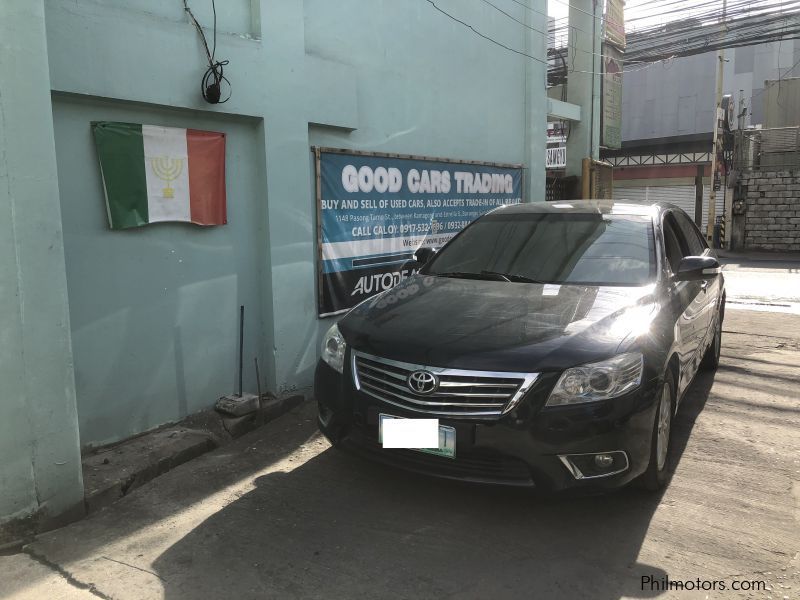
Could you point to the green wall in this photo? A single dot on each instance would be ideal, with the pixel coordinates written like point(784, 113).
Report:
point(149, 316)
point(154, 338)
point(154, 310)
point(40, 471)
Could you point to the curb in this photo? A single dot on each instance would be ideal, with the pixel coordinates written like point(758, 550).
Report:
point(112, 472)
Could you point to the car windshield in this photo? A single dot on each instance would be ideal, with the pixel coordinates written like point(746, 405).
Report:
point(559, 248)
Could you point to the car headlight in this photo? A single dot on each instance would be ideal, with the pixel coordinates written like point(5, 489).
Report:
point(333, 348)
point(598, 381)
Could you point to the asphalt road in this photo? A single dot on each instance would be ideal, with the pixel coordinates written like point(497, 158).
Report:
point(280, 514)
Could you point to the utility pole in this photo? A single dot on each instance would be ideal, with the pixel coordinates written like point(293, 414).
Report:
point(584, 83)
point(712, 196)
point(742, 114)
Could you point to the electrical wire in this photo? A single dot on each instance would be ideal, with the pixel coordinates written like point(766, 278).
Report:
point(663, 43)
point(750, 22)
point(211, 84)
point(525, 54)
point(771, 83)
point(747, 22)
point(513, 18)
point(483, 35)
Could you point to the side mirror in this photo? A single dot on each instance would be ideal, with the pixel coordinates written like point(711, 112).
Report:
point(695, 268)
point(423, 255)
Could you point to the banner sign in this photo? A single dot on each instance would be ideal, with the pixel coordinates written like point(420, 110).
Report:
point(375, 210)
point(615, 23)
point(556, 145)
point(611, 115)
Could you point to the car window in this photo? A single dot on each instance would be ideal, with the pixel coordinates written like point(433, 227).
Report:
point(672, 244)
point(579, 248)
point(693, 239)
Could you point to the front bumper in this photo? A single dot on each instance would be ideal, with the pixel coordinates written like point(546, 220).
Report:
point(520, 449)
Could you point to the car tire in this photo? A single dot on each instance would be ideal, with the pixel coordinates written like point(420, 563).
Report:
point(657, 473)
point(711, 358)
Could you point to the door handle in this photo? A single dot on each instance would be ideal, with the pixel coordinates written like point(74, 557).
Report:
point(704, 285)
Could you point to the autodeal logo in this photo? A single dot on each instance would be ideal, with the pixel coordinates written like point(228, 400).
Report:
point(379, 282)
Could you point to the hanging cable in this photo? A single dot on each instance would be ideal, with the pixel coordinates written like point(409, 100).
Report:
point(211, 84)
point(483, 35)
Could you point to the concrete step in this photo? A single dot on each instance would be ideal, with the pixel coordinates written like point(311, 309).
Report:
point(111, 472)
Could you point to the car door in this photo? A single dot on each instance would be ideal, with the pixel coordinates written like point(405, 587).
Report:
point(687, 301)
point(710, 288)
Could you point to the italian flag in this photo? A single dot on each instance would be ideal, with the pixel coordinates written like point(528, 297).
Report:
point(153, 174)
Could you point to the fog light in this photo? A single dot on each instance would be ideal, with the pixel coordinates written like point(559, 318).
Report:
point(603, 461)
point(592, 465)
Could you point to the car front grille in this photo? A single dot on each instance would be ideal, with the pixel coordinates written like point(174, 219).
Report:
point(459, 393)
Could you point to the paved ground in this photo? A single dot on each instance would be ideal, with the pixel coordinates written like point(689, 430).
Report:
point(280, 514)
point(759, 281)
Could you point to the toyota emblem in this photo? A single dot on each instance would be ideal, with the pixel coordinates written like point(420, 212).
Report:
point(422, 382)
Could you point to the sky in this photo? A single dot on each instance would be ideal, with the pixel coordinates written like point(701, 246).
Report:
point(557, 8)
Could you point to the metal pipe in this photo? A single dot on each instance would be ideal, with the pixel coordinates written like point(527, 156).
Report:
point(241, 348)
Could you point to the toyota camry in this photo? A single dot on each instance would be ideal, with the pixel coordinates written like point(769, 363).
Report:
point(552, 342)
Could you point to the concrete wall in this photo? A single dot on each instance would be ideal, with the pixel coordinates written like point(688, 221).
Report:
point(677, 98)
point(772, 219)
point(657, 102)
point(40, 476)
point(154, 310)
point(782, 103)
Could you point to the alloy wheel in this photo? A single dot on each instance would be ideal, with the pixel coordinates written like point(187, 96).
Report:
point(664, 423)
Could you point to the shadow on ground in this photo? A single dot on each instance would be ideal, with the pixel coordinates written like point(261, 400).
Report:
point(338, 526)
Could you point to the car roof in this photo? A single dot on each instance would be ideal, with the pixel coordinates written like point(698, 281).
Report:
point(626, 207)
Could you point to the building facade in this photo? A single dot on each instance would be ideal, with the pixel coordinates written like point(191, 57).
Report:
point(107, 334)
point(668, 121)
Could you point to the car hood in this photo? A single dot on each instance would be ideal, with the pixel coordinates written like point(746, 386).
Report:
point(498, 325)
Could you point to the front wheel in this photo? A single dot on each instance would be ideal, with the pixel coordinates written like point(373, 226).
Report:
point(657, 473)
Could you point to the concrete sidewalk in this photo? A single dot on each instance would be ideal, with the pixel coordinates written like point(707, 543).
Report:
point(762, 281)
point(747, 256)
point(279, 514)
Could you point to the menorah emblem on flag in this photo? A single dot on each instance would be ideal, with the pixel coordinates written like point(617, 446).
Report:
point(167, 169)
point(153, 173)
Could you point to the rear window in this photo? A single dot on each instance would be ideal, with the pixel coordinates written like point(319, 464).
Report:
point(576, 248)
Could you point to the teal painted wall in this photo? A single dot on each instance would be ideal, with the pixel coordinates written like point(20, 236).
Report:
point(40, 470)
point(154, 337)
point(154, 310)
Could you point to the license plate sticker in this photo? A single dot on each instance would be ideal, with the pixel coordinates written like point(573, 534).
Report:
point(447, 439)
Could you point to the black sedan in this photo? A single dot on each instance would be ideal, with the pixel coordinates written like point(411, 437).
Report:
point(552, 341)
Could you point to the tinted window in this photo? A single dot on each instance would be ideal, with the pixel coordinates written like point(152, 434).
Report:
point(591, 248)
point(672, 245)
point(691, 234)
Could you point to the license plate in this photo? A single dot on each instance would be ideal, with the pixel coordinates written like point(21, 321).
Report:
point(447, 439)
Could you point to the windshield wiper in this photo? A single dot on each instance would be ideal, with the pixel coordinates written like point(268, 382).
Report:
point(512, 277)
point(485, 275)
point(488, 276)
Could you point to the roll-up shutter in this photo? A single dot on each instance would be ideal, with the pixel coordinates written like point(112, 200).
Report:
point(633, 194)
point(680, 195)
